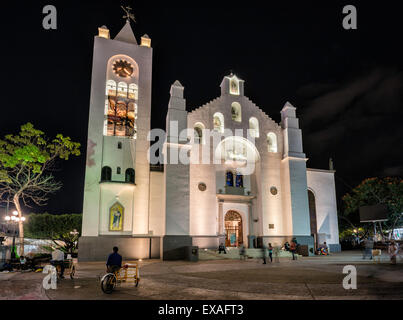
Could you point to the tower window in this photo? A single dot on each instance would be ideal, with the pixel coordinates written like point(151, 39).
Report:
point(272, 142)
point(119, 145)
point(106, 174)
point(111, 88)
point(122, 89)
point(254, 127)
point(219, 122)
point(130, 175)
point(236, 112)
point(198, 133)
point(239, 180)
point(118, 170)
point(230, 179)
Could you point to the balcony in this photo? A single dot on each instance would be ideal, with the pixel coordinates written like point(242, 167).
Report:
point(236, 191)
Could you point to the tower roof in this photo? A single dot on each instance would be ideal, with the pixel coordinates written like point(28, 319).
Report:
point(126, 34)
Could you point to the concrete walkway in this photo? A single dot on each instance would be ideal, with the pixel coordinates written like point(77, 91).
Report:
point(307, 278)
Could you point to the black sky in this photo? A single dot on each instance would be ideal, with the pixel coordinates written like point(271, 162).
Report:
point(347, 85)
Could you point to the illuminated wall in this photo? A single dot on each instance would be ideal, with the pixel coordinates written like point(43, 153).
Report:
point(119, 121)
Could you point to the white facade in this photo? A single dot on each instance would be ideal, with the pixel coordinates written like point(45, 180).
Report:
point(197, 204)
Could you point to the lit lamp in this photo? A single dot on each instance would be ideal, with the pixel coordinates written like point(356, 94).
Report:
point(145, 41)
point(103, 32)
point(14, 220)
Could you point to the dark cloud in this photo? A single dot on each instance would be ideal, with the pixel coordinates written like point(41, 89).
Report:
point(358, 122)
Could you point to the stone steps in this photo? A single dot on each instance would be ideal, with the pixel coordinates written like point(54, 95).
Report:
point(233, 253)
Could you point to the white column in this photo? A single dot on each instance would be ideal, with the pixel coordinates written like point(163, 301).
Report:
point(220, 230)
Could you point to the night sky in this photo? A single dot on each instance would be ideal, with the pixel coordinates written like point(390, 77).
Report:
point(347, 85)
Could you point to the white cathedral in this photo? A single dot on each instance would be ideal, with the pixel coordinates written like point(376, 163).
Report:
point(151, 211)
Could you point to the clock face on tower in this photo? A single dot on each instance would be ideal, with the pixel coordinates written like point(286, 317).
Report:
point(123, 68)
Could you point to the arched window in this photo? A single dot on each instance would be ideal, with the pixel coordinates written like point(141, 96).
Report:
point(230, 179)
point(122, 89)
point(133, 91)
point(236, 112)
point(118, 170)
point(198, 133)
point(130, 175)
point(218, 122)
point(106, 174)
point(272, 142)
point(111, 88)
point(254, 127)
point(239, 180)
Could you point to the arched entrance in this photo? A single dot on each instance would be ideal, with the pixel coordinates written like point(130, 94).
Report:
point(233, 229)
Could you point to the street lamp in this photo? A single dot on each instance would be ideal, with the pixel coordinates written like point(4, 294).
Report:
point(14, 221)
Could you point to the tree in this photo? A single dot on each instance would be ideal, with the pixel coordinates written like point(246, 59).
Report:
point(64, 227)
point(26, 163)
point(387, 191)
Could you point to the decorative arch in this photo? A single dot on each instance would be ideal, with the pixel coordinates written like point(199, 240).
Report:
point(121, 96)
point(254, 127)
point(218, 122)
point(236, 112)
point(236, 151)
point(272, 142)
point(116, 215)
point(233, 229)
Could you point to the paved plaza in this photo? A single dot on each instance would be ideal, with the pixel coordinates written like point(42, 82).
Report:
point(308, 278)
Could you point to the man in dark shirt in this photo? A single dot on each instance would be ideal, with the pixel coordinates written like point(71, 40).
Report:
point(114, 262)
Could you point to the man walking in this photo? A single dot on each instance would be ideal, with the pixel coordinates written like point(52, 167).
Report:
point(270, 248)
point(369, 245)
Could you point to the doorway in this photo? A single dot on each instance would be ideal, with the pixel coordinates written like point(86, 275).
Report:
point(233, 229)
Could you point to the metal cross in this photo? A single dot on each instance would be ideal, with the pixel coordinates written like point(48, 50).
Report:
point(128, 14)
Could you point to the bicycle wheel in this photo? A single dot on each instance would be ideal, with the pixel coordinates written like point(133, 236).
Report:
point(108, 283)
point(72, 272)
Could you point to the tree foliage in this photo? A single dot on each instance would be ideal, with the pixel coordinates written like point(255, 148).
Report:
point(65, 227)
point(26, 162)
point(372, 191)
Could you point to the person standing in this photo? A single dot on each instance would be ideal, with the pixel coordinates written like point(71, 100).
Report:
point(264, 254)
point(393, 250)
point(242, 252)
point(270, 248)
point(221, 247)
point(276, 253)
point(293, 248)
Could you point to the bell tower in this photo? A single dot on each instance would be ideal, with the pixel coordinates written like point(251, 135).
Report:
point(117, 178)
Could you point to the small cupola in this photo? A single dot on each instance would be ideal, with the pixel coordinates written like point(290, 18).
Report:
point(232, 85)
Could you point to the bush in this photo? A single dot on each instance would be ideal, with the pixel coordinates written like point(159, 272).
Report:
point(49, 226)
point(55, 227)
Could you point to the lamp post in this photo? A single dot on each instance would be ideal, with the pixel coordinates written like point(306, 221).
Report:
point(14, 221)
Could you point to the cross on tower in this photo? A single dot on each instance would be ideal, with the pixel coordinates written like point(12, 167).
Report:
point(128, 14)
